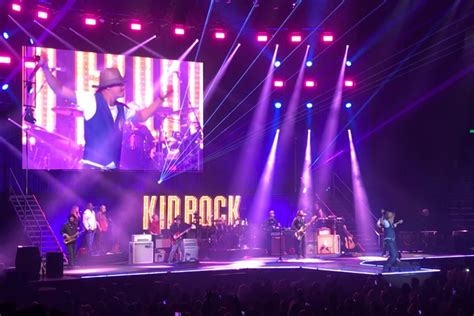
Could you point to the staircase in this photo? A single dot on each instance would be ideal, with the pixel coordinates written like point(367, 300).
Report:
point(33, 219)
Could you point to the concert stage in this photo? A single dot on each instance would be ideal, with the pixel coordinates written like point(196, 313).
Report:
point(415, 265)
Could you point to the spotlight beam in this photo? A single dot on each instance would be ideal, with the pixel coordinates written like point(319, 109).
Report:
point(97, 47)
point(133, 49)
point(149, 50)
point(64, 42)
point(209, 10)
point(305, 200)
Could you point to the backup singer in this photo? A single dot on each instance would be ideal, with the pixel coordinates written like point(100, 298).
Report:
point(70, 231)
point(154, 226)
point(103, 222)
point(387, 223)
point(178, 229)
point(297, 224)
point(104, 116)
point(90, 225)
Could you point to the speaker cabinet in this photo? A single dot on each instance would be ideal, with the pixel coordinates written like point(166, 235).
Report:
point(140, 252)
point(329, 244)
point(54, 264)
point(275, 245)
point(191, 249)
point(28, 262)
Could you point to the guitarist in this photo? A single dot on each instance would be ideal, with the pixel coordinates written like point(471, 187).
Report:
point(387, 223)
point(70, 229)
point(177, 243)
point(297, 224)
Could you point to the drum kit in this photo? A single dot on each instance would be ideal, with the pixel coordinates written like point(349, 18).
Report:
point(142, 151)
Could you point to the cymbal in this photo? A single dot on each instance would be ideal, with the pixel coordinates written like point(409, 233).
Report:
point(164, 111)
point(67, 111)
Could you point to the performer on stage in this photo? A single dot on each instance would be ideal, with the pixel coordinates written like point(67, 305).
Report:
point(154, 226)
point(269, 226)
point(102, 230)
point(75, 212)
point(90, 225)
point(388, 224)
point(177, 229)
point(297, 225)
point(104, 116)
point(70, 231)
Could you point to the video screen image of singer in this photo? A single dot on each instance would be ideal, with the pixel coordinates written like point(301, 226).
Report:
point(154, 124)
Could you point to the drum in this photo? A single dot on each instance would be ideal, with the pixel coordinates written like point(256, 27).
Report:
point(136, 147)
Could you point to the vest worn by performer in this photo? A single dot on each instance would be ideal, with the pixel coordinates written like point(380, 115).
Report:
point(103, 135)
point(389, 232)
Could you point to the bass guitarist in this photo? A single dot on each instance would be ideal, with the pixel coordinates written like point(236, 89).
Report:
point(70, 232)
point(178, 229)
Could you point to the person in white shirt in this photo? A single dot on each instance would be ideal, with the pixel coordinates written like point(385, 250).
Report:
point(104, 116)
point(90, 226)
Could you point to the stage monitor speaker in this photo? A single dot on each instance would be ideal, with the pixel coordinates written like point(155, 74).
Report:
point(311, 248)
point(329, 244)
point(28, 262)
point(275, 246)
point(54, 264)
point(191, 249)
point(140, 252)
point(161, 255)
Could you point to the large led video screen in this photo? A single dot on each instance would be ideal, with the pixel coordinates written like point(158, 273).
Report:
point(109, 111)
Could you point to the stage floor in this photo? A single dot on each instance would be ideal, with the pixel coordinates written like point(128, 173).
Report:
point(363, 265)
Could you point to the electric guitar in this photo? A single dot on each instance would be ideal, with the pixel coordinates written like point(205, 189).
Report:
point(69, 239)
point(349, 242)
point(299, 234)
point(178, 235)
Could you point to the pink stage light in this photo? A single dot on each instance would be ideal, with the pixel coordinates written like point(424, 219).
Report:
point(178, 30)
point(90, 21)
point(30, 64)
point(42, 15)
point(5, 60)
point(219, 35)
point(262, 38)
point(136, 26)
point(16, 7)
point(328, 38)
point(278, 83)
point(296, 38)
point(349, 83)
point(310, 84)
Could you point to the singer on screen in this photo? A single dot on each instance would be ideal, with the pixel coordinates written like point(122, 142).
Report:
point(104, 116)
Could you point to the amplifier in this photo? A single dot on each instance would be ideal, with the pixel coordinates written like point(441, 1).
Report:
point(191, 249)
point(275, 245)
point(329, 244)
point(311, 248)
point(162, 243)
point(140, 252)
point(141, 237)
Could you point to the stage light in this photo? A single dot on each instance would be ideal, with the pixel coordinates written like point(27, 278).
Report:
point(278, 105)
point(219, 35)
point(31, 41)
point(179, 30)
point(309, 105)
point(348, 63)
point(42, 15)
point(310, 84)
point(5, 87)
point(30, 64)
point(295, 38)
point(348, 105)
point(16, 7)
point(135, 26)
point(328, 38)
point(278, 83)
point(6, 35)
point(349, 83)
point(309, 63)
point(5, 60)
point(262, 38)
point(277, 63)
point(90, 21)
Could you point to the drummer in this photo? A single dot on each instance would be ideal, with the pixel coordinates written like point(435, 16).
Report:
point(104, 116)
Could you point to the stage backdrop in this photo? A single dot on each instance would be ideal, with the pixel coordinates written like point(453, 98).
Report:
point(172, 139)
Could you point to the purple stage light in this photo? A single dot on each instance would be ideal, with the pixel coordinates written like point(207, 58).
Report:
point(295, 38)
point(278, 105)
point(348, 63)
point(309, 105)
point(309, 63)
point(42, 14)
point(349, 83)
point(348, 105)
point(135, 26)
point(327, 38)
point(277, 63)
point(310, 84)
point(219, 35)
point(5, 60)
point(16, 7)
point(179, 30)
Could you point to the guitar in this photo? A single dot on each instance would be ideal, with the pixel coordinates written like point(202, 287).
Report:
point(178, 235)
point(349, 242)
point(299, 234)
point(69, 239)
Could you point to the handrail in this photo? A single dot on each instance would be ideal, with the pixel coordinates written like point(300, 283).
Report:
point(29, 206)
point(49, 226)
